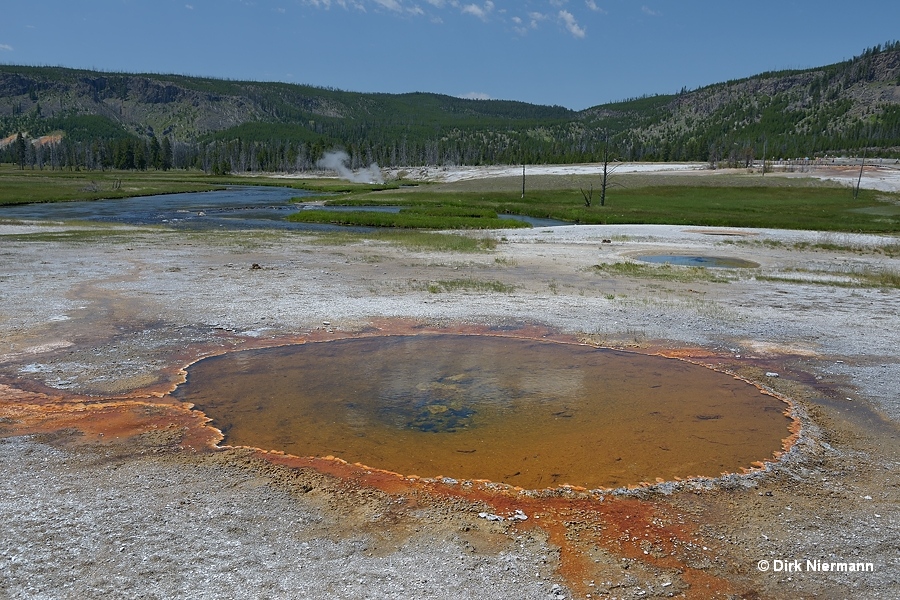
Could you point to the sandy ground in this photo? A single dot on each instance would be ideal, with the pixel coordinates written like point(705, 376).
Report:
point(110, 489)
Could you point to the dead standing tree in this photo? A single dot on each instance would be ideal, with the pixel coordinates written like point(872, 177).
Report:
point(608, 170)
point(862, 165)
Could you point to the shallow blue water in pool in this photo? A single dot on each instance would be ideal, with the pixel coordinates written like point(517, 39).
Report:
point(719, 262)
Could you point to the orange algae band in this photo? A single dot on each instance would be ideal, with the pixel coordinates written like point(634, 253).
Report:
point(527, 413)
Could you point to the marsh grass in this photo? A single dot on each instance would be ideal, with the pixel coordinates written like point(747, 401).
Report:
point(888, 250)
point(721, 201)
point(73, 235)
point(339, 186)
point(776, 203)
point(27, 186)
point(411, 240)
point(439, 217)
point(664, 272)
point(79, 231)
point(468, 285)
point(869, 277)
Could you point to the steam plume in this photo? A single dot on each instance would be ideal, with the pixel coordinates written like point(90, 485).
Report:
point(338, 161)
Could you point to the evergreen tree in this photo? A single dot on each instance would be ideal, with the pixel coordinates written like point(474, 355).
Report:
point(155, 159)
point(140, 156)
point(20, 150)
point(167, 154)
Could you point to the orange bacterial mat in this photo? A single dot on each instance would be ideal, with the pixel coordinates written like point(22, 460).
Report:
point(529, 413)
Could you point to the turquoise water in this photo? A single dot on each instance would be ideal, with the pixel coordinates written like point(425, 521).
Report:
point(714, 262)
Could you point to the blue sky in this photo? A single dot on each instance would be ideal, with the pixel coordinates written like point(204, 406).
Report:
point(574, 53)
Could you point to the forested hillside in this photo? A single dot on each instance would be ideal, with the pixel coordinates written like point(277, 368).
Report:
point(838, 109)
point(53, 117)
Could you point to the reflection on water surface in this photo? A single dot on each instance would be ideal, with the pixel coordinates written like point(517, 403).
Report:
point(715, 262)
point(523, 412)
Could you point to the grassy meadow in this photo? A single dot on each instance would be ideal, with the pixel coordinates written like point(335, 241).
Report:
point(723, 201)
point(736, 201)
point(26, 186)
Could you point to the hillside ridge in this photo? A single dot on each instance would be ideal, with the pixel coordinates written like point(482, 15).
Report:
point(847, 107)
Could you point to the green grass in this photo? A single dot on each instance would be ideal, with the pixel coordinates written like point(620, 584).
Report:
point(26, 186)
point(468, 285)
point(417, 218)
point(70, 235)
point(664, 272)
point(339, 186)
point(866, 278)
point(889, 250)
point(423, 241)
point(756, 202)
point(693, 201)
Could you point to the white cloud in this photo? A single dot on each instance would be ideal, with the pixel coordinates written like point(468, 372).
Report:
point(571, 24)
point(326, 4)
point(440, 11)
point(537, 17)
point(189, 6)
point(522, 27)
point(519, 26)
point(482, 12)
point(649, 11)
point(390, 5)
point(475, 96)
point(6, 47)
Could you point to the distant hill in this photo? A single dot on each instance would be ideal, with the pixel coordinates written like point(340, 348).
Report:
point(115, 119)
point(840, 108)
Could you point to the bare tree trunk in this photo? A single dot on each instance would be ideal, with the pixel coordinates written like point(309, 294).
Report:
point(859, 179)
point(605, 180)
point(589, 196)
point(523, 179)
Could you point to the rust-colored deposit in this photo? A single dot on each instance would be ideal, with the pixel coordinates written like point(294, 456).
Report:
point(27, 413)
point(650, 532)
point(529, 413)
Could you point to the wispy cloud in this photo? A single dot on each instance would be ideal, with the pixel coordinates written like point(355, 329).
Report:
point(500, 12)
point(482, 12)
point(326, 4)
point(400, 7)
point(649, 11)
point(189, 6)
point(523, 25)
point(536, 17)
point(568, 20)
point(6, 47)
point(390, 5)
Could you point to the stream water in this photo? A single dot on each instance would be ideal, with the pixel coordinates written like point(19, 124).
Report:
point(240, 207)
